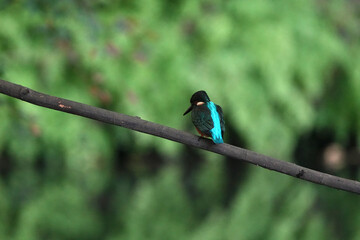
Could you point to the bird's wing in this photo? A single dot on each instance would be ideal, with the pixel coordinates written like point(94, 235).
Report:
point(201, 117)
point(222, 121)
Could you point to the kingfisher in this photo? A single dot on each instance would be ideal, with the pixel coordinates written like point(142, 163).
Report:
point(207, 117)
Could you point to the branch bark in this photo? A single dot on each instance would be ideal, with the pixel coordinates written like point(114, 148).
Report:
point(137, 124)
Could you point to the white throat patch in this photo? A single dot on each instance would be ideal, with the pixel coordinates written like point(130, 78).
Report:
point(199, 103)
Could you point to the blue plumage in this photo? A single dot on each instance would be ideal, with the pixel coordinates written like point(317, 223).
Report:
point(216, 134)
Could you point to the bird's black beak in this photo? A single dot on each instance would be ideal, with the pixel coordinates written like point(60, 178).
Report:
point(188, 110)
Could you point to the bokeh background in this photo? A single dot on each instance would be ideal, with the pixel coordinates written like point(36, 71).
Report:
point(286, 73)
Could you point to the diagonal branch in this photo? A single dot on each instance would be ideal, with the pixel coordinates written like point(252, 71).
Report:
point(137, 124)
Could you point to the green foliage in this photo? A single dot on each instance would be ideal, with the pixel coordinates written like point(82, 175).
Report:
point(58, 212)
point(278, 69)
point(159, 209)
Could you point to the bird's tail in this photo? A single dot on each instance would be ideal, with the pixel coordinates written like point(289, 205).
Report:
point(218, 140)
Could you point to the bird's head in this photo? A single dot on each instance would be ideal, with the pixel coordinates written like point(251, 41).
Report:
point(197, 99)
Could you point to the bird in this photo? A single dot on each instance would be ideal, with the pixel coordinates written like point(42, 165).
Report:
point(207, 117)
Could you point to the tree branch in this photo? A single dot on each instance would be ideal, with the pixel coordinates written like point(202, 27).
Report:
point(137, 124)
